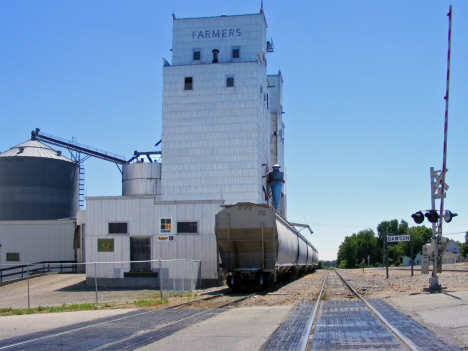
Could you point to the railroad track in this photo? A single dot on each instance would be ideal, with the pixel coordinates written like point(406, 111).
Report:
point(341, 319)
point(98, 335)
point(337, 289)
point(331, 295)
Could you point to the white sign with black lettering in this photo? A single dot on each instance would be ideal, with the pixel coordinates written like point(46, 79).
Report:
point(394, 238)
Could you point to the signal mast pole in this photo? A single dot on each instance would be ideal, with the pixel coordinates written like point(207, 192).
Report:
point(437, 243)
point(444, 164)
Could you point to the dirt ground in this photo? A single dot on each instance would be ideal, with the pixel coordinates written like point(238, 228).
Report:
point(370, 284)
point(306, 288)
point(373, 283)
point(58, 289)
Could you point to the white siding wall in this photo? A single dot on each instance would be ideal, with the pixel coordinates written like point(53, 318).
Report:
point(37, 241)
point(143, 216)
point(246, 31)
point(215, 138)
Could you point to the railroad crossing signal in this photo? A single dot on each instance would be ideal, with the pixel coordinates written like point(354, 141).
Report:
point(432, 216)
point(437, 181)
point(448, 216)
point(418, 217)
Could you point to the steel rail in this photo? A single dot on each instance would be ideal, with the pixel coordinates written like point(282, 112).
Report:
point(305, 335)
point(134, 316)
point(114, 320)
point(149, 330)
point(402, 337)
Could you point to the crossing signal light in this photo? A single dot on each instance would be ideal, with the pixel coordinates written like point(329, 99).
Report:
point(418, 217)
point(432, 216)
point(448, 216)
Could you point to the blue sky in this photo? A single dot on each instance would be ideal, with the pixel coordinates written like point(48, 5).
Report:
point(364, 83)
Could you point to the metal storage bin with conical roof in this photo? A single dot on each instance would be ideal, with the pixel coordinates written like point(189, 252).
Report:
point(37, 183)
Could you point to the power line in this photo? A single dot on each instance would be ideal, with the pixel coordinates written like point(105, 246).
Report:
point(455, 233)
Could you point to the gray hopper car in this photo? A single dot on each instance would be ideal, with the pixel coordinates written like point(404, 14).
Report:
point(258, 247)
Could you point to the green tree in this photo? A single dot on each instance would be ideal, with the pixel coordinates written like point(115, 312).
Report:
point(357, 247)
point(328, 263)
point(420, 236)
point(346, 257)
point(464, 247)
point(367, 246)
point(391, 228)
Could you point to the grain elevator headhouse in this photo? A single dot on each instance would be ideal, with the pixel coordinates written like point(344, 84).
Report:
point(216, 132)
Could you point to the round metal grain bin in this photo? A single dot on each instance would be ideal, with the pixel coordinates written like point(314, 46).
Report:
point(37, 183)
point(141, 178)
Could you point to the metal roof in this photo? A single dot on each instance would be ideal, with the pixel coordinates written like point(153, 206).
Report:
point(34, 148)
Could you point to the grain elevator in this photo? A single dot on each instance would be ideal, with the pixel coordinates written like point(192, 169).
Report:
point(222, 133)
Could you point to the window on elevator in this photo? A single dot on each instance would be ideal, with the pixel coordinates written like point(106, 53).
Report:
point(196, 54)
point(230, 81)
point(215, 55)
point(236, 52)
point(188, 83)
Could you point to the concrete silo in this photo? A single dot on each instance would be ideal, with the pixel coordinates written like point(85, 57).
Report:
point(37, 183)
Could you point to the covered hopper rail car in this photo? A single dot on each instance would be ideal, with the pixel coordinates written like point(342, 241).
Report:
point(258, 247)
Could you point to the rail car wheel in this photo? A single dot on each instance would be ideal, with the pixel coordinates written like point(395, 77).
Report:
point(267, 281)
point(230, 283)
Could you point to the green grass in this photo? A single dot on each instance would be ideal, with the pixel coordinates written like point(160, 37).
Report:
point(147, 303)
point(51, 309)
point(188, 295)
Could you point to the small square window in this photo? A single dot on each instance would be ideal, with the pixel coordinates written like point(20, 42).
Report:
point(12, 256)
point(196, 54)
point(187, 227)
point(236, 52)
point(118, 228)
point(230, 81)
point(188, 83)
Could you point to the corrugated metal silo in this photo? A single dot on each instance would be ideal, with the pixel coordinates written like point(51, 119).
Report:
point(141, 178)
point(37, 183)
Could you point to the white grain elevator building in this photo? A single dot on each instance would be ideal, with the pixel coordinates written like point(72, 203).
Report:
point(222, 132)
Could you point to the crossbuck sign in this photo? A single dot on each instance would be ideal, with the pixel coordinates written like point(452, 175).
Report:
point(394, 238)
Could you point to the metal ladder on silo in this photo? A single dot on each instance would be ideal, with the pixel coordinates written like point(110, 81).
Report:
point(82, 187)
